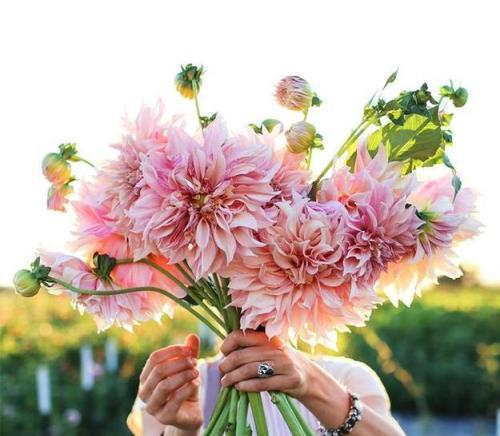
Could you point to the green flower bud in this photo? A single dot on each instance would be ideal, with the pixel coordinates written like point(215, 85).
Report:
point(300, 137)
point(26, 283)
point(56, 169)
point(459, 97)
point(188, 81)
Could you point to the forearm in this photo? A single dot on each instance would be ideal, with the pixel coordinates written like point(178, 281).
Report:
point(326, 399)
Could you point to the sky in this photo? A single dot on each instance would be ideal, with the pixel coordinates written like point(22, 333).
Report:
point(72, 69)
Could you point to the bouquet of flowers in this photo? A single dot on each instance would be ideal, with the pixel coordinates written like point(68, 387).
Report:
point(237, 229)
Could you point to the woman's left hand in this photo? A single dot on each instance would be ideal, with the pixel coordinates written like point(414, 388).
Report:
point(245, 351)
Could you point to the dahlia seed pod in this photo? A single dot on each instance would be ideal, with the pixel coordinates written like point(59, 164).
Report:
point(25, 283)
point(188, 81)
point(56, 169)
point(294, 93)
point(300, 137)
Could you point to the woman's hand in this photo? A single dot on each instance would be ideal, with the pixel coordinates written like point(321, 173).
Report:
point(169, 386)
point(245, 351)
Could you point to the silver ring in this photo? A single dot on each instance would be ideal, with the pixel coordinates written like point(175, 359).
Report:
point(265, 370)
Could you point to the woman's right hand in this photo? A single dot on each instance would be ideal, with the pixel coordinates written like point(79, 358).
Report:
point(169, 386)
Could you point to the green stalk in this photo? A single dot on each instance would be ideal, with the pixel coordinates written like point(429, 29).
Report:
point(355, 134)
point(241, 420)
point(233, 410)
point(220, 425)
point(218, 409)
point(293, 423)
point(197, 104)
point(300, 418)
point(182, 285)
point(106, 292)
point(309, 157)
point(258, 414)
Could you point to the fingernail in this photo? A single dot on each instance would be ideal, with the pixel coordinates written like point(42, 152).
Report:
point(196, 372)
point(223, 381)
point(194, 361)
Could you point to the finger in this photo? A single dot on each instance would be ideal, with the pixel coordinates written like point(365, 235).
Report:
point(246, 355)
point(193, 343)
point(163, 371)
point(274, 383)
point(171, 408)
point(249, 338)
point(166, 388)
point(161, 355)
point(249, 372)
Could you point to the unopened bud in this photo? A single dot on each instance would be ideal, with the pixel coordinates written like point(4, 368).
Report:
point(270, 125)
point(188, 81)
point(459, 97)
point(56, 169)
point(26, 283)
point(300, 137)
point(294, 93)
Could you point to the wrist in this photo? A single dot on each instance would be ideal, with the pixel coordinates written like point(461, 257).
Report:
point(325, 397)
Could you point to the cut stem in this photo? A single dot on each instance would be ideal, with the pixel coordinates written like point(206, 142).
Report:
point(258, 414)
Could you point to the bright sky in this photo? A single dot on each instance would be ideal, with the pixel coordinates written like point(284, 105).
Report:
point(70, 69)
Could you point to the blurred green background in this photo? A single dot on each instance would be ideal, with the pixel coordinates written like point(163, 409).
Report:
point(441, 357)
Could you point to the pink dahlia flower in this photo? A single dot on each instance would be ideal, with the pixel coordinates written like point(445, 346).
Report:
point(381, 227)
point(447, 220)
point(123, 175)
point(124, 310)
point(205, 199)
point(292, 175)
point(294, 284)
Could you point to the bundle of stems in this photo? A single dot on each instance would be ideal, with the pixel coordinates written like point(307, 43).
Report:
point(212, 307)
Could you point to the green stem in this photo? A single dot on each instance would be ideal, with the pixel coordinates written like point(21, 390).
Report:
point(221, 424)
point(181, 285)
point(309, 157)
point(218, 409)
point(258, 414)
point(300, 418)
point(81, 159)
point(233, 410)
point(196, 103)
point(294, 425)
point(355, 134)
point(106, 292)
point(241, 421)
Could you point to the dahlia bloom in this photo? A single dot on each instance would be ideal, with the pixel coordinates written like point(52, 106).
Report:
point(294, 283)
point(123, 175)
point(204, 200)
point(447, 220)
point(97, 231)
point(124, 310)
point(381, 227)
point(291, 176)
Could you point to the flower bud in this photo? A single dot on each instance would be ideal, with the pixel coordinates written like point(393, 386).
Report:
point(56, 169)
point(459, 97)
point(270, 124)
point(300, 137)
point(188, 81)
point(26, 283)
point(294, 93)
point(56, 197)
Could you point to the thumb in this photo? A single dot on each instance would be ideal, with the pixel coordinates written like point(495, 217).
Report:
point(193, 342)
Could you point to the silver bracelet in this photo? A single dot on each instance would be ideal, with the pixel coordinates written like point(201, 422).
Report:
point(353, 417)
